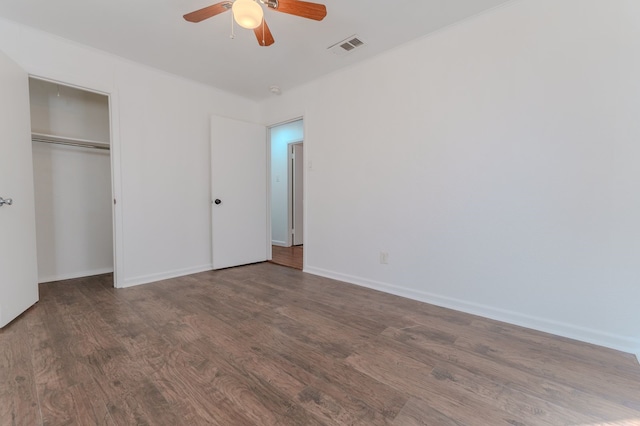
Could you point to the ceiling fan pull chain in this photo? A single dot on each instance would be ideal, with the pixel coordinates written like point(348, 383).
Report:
point(263, 42)
point(233, 35)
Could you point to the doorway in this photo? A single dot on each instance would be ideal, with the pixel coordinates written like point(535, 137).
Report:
point(72, 181)
point(287, 193)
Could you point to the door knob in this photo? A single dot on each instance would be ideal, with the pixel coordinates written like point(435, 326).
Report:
point(218, 201)
point(8, 201)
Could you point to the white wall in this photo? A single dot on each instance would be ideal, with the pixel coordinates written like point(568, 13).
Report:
point(495, 161)
point(161, 144)
point(74, 222)
point(281, 136)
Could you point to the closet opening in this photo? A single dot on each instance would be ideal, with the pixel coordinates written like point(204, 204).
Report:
point(73, 181)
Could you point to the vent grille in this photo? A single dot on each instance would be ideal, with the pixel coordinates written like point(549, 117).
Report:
point(346, 46)
point(356, 42)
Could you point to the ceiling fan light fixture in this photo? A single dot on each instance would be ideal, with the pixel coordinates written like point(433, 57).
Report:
point(247, 13)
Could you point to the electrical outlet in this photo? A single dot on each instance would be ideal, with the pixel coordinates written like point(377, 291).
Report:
point(384, 257)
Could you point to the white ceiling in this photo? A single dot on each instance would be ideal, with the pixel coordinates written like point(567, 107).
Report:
point(153, 32)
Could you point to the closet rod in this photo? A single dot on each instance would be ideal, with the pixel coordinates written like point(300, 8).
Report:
point(60, 140)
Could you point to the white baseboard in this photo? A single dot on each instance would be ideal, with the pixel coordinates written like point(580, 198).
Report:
point(146, 279)
point(621, 343)
point(72, 275)
point(279, 243)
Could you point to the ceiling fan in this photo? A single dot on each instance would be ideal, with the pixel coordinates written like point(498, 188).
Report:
point(249, 14)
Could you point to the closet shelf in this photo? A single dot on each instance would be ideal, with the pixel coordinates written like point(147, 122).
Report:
point(62, 140)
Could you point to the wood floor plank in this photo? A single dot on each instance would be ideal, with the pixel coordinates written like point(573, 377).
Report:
point(61, 381)
point(367, 400)
point(532, 359)
point(329, 292)
point(72, 406)
point(256, 395)
point(419, 413)
point(419, 346)
point(288, 333)
point(18, 398)
point(256, 359)
point(414, 377)
point(228, 380)
point(563, 350)
point(287, 256)
point(186, 380)
point(106, 365)
point(269, 345)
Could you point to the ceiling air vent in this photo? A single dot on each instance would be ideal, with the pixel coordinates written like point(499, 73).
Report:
point(346, 46)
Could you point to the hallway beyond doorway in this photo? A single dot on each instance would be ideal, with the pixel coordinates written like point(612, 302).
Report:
point(287, 256)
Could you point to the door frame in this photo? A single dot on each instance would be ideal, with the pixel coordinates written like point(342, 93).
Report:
point(116, 178)
point(290, 191)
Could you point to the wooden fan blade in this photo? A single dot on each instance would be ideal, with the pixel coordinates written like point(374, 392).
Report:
point(208, 12)
point(263, 34)
point(304, 9)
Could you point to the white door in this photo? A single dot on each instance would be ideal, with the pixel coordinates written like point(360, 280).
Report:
point(238, 192)
point(297, 185)
point(18, 263)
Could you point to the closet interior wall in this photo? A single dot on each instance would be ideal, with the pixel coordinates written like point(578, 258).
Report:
point(73, 197)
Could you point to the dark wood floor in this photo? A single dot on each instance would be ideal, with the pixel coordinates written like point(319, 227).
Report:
point(269, 345)
point(287, 256)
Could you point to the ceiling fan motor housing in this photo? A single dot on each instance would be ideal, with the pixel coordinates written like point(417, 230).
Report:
point(273, 4)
